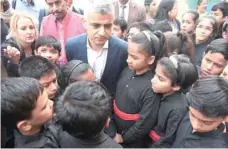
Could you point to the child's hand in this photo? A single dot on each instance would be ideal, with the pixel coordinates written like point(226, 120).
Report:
point(12, 53)
point(118, 138)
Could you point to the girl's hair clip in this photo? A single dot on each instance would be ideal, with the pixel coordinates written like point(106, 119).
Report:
point(174, 61)
point(146, 33)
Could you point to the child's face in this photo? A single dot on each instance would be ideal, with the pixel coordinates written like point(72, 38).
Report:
point(48, 52)
point(49, 81)
point(203, 6)
point(202, 123)
point(43, 111)
point(137, 60)
point(89, 75)
point(173, 12)
point(218, 15)
point(188, 24)
point(116, 31)
point(204, 30)
point(160, 82)
point(225, 72)
point(212, 64)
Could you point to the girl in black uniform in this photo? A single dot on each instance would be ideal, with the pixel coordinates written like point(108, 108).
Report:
point(136, 105)
point(172, 76)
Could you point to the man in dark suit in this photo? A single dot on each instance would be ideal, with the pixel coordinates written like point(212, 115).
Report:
point(105, 54)
point(130, 11)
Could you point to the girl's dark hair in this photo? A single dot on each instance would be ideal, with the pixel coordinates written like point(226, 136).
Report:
point(162, 26)
point(213, 22)
point(141, 26)
point(152, 43)
point(180, 70)
point(179, 43)
point(210, 96)
point(194, 13)
point(199, 2)
point(218, 46)
point(164, 7)
point(72, 71)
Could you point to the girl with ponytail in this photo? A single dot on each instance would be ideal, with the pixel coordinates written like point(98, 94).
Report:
point(179, 43)
point(136, 105)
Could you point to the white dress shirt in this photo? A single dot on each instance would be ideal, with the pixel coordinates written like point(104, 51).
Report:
point(97, 59)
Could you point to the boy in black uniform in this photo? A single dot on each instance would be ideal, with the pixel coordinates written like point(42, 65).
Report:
point(50, 48)
point(83, 111)
point(204, 125)
point(26, 109)
point(43, 70)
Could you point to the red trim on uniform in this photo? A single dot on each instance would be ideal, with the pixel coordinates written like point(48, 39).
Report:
point(154, 136)
point(125, 116)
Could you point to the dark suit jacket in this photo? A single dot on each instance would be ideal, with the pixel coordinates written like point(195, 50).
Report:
point(137, 13)
point(76, 48)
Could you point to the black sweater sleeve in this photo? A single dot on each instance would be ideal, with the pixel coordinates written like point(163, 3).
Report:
point(148, 117)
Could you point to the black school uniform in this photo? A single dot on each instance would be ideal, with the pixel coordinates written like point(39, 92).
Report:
point(135, 97)
point(172, 109)
point(186, 139)
point(46, 138)
point(99, 141)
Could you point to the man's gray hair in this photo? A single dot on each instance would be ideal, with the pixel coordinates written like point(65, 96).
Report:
point(99, 6)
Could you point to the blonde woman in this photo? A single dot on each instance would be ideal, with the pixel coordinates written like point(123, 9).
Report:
point(20, 43)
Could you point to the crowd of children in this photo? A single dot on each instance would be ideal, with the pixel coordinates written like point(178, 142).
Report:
point(171, 93)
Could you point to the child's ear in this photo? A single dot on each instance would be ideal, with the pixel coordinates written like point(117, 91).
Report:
point(35, 52)
point(124, 32)
point(176, 88)
point(107, 123)
point(151, 60)
point(226, 119)
point(24, 126)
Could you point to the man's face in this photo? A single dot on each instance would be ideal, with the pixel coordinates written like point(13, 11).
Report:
point(99, 28)
point(49, 81)
point(43, 112)
point(58, 8)
point(212, 64)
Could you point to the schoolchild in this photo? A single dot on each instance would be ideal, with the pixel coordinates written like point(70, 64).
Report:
point(204, 125)
point(82, 112)
point(215, 58)
point(136, 105)
point(172, 76)
point(27, 110)
point(43, 70)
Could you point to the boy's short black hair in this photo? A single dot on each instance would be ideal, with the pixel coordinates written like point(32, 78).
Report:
point(218, 46)
point(209, 96)
point(122, 23)
point(223, 6)
point(18, 99)
point(83, 109)
point(35, 67)
point(48, 41)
